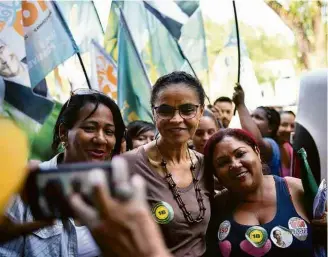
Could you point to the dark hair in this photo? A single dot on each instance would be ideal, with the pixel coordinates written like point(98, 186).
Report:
point(223, 99)
point(69, 113)
point(209, 113)
point(239, 134)
point(275, 232)
point(288, 112)
point(135, 128)
point(177, 77)
point(273, 118)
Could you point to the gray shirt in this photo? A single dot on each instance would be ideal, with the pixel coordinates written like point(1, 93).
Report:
point(182, 238)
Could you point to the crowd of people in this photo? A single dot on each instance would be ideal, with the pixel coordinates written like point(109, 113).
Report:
point(188, 185)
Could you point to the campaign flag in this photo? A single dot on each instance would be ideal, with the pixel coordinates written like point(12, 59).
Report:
point(133, 84)
point(103, 71)
point(48, 41)
point(41, 146)
point(28, 110)
point(112, 30)
point(83, 22)
point(188, 7)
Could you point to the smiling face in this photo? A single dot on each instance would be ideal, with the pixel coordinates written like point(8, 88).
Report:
point(287, 125)
point(177, 130)
point(206, 128)
point(91, 139)
point(237, 166)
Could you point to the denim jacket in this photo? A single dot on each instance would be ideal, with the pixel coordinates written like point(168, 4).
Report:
point(43, 242)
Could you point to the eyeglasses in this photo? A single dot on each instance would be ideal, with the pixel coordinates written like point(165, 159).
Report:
point(83, 91)
point(186, 111)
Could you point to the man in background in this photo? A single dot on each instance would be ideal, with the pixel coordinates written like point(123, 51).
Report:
point(225, 104)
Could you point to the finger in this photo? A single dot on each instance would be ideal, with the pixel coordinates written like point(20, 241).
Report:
point(103, 201)
point(238, 87)
point(120, 179)
point(139, 189)
point(83, 211)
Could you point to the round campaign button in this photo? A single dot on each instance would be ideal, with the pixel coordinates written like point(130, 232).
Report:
point(281, 237)
point(298, 228)
point(257, 236)
point(224, 230)
point(162, 212)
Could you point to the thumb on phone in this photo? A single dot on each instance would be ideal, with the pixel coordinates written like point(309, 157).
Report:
point(120, 179)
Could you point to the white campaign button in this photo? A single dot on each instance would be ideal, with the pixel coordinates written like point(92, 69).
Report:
point(224, 230)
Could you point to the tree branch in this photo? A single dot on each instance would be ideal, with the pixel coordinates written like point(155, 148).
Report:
point(296, 25)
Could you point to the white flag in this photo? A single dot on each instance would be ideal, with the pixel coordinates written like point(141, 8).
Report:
point(103, 71)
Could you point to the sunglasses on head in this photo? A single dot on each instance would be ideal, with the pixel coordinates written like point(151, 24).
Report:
point(83, 91)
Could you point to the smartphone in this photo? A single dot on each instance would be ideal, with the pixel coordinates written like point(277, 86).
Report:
point(49, 189)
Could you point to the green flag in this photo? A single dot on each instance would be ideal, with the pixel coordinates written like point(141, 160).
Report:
point(41, 145)
point(112, 29)
point(309, 184)
point(133, 84)
point(193, 44)
point(157, 48)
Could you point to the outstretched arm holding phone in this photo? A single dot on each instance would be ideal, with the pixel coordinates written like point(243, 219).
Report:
point(122, 225)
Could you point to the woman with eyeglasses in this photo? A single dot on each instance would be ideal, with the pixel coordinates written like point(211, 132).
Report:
point(89, 128)
point(178, 190)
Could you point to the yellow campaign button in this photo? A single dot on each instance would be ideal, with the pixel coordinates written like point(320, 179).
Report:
point(162, 212)
point(256, 236)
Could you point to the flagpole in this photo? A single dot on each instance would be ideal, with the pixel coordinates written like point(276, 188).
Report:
point(102, 29)
point(187, 60)
point(84, 70)
point(73, 41)
point(238, 44)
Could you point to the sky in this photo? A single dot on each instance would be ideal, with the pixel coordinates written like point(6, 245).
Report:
point(252, 12)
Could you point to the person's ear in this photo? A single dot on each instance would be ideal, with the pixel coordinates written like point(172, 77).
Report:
point(201, 110)
point(63, 133)
point(257, 151)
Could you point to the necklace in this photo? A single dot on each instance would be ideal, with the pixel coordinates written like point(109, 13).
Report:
point(177, 195)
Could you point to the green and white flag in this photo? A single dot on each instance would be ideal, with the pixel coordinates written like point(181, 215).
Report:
point(133, 84)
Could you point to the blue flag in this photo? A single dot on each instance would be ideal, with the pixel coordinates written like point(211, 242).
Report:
point(48, 41)
point(82, 20)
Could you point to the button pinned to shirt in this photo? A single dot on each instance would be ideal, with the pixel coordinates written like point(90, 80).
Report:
point(281, 236)
point(162, 212)
point(257, 236)
point(298, 228)
point(224, 230)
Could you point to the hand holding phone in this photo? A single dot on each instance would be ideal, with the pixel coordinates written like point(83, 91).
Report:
point(122, 225)
point(48, 190)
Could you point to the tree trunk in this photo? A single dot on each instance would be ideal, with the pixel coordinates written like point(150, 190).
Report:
point(309, 53)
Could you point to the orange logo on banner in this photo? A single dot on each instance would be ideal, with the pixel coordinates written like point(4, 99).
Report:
point(107, 79)
point(31, 14)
